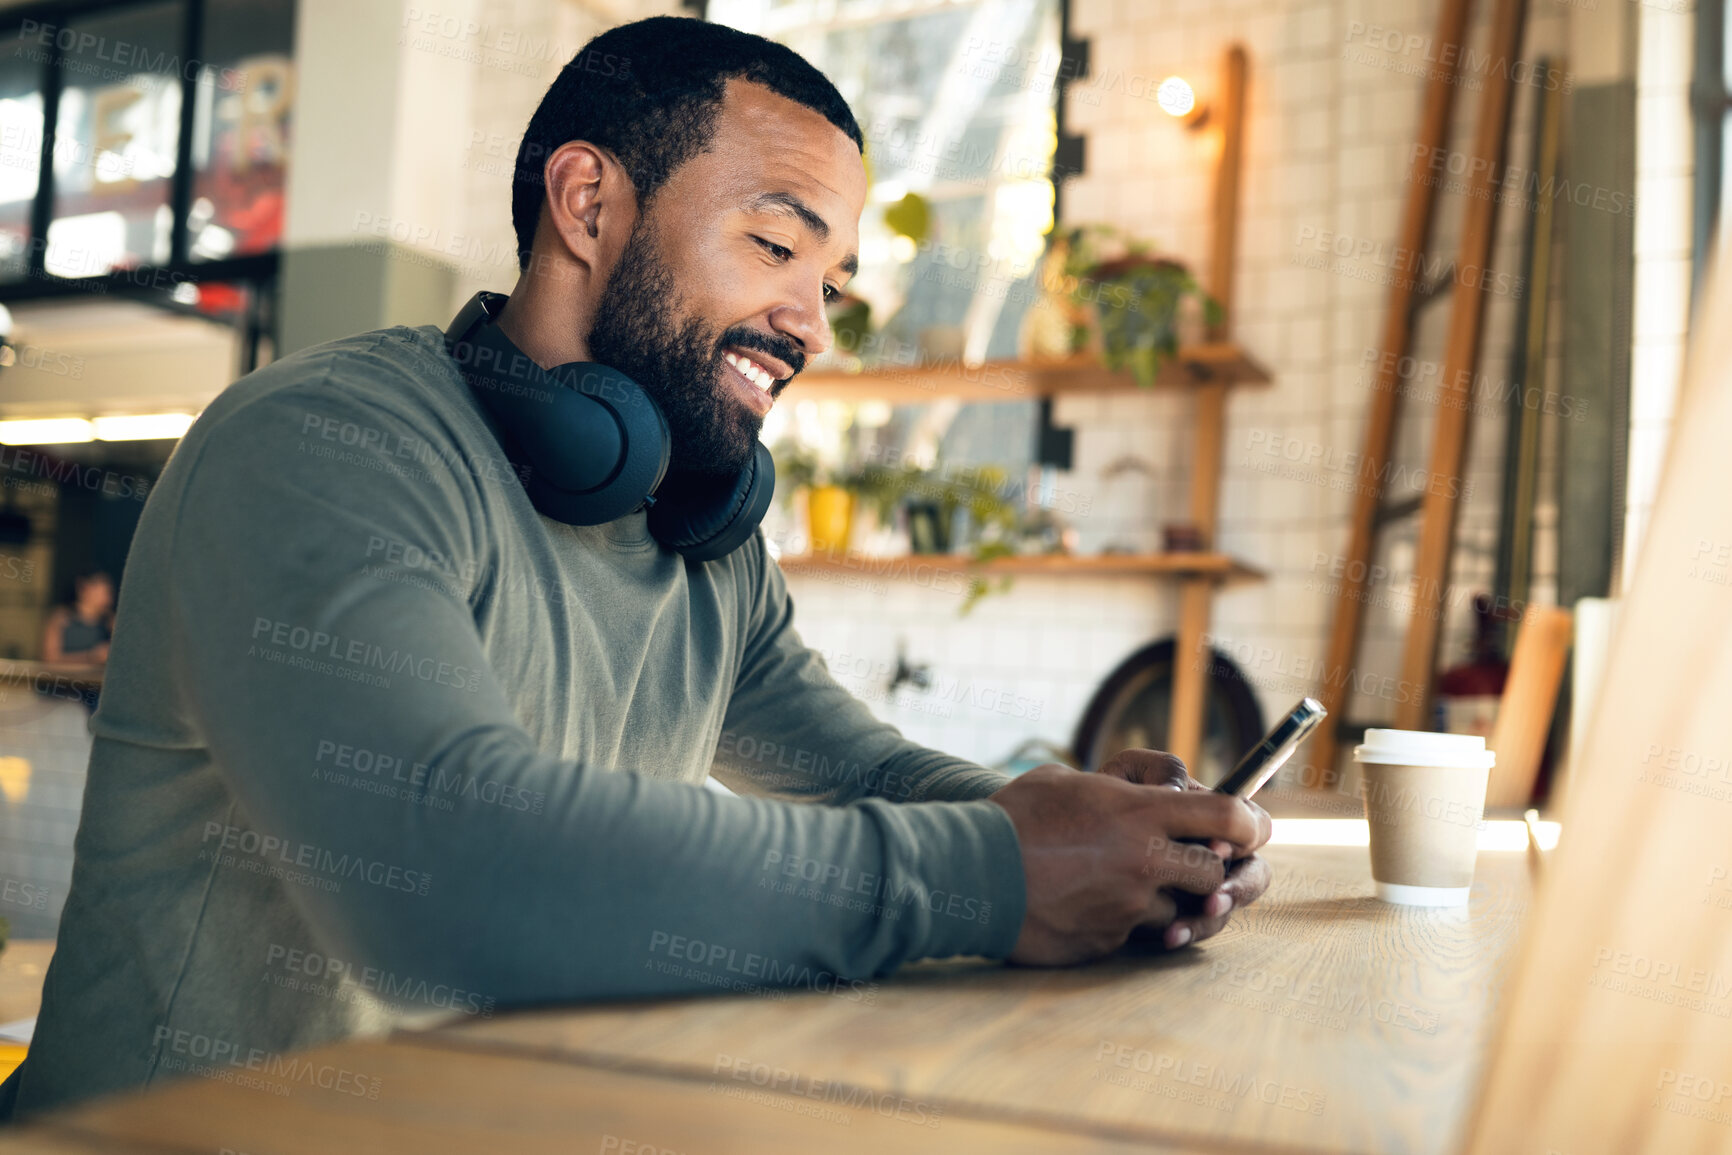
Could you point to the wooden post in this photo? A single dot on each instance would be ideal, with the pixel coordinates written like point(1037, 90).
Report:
point(1530, 698)
point(1224, 249)
point(1196, 594)
point(1385, 393)
point(1461, 360)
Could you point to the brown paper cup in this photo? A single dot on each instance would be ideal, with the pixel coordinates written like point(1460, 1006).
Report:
point(1424, 801)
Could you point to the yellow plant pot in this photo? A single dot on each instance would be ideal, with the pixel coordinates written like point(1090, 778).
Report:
point(829, 514)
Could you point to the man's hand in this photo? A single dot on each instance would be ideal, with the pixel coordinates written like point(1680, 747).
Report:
point(1103, 855)
point(1247, 878)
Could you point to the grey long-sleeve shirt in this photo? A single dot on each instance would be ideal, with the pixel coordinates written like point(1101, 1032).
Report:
point(378, 740)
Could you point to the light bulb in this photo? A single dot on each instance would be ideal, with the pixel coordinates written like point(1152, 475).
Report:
point(1176, 97)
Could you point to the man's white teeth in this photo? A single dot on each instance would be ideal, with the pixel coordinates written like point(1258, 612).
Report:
point(752, 371)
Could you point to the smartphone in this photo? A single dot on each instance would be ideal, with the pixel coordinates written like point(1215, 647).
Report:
point(1272, 752)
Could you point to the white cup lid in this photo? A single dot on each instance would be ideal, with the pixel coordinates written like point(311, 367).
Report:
point(1421, 748)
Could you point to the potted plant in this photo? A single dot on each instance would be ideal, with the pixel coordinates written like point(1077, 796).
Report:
point(930, 500)
point(829, 497)
point(1135, 297)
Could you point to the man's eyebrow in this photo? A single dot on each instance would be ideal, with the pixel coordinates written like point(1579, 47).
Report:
point(787, 204)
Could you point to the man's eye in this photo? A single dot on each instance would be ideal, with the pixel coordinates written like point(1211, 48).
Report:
point(780, 252)
point(832, 294)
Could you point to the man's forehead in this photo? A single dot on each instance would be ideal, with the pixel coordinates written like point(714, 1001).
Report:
point(773, 143)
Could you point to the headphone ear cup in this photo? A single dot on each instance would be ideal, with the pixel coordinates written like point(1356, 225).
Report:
point(588, 442)
point(597, 444)
point(714, 530)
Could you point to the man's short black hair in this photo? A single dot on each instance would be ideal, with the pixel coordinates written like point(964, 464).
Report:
point(649, 92)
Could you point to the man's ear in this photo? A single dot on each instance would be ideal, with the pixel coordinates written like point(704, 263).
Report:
point(589, 201)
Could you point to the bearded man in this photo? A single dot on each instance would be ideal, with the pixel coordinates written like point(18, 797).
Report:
point(429, 639)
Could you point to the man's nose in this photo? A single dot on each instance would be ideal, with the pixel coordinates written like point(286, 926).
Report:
point(805, 323)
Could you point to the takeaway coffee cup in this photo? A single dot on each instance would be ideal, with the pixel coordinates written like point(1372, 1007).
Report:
point(1424, 799)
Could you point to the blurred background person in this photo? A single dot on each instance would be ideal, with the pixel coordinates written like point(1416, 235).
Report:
point(78, 631)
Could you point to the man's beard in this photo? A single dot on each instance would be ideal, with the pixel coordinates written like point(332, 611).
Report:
point(678, 362)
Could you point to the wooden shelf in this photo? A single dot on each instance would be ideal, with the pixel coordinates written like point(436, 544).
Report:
point(1218, 566)
point(1195, 365)
point(17, 672)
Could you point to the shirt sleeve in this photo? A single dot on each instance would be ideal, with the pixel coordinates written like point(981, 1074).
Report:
point(792, 730)
point(297, 628)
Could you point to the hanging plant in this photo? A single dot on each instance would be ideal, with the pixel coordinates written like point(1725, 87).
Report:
point(1136, 297)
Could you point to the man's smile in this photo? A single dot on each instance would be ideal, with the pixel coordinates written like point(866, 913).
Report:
point(756, 377)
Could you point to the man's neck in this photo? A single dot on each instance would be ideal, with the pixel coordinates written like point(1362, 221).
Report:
point(550, 328)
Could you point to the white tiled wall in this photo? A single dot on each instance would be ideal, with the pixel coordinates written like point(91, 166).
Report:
point(1665, 168)
point(1328, 144)
point(506, 87)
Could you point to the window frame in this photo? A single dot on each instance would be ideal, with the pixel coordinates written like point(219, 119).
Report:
point(1711, 105)
point(152, 284)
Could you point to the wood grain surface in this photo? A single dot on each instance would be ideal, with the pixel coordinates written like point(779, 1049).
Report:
point(1619, 1037)
point(1321, 1020)
point(433, 1100)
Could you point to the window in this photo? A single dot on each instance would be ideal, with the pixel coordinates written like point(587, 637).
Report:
point(115, 140)
point(240, 134)
point(170, 139)
point(956, 103)
point(20, 152)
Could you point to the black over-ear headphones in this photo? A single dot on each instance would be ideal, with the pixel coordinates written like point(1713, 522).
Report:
point(594, 443)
